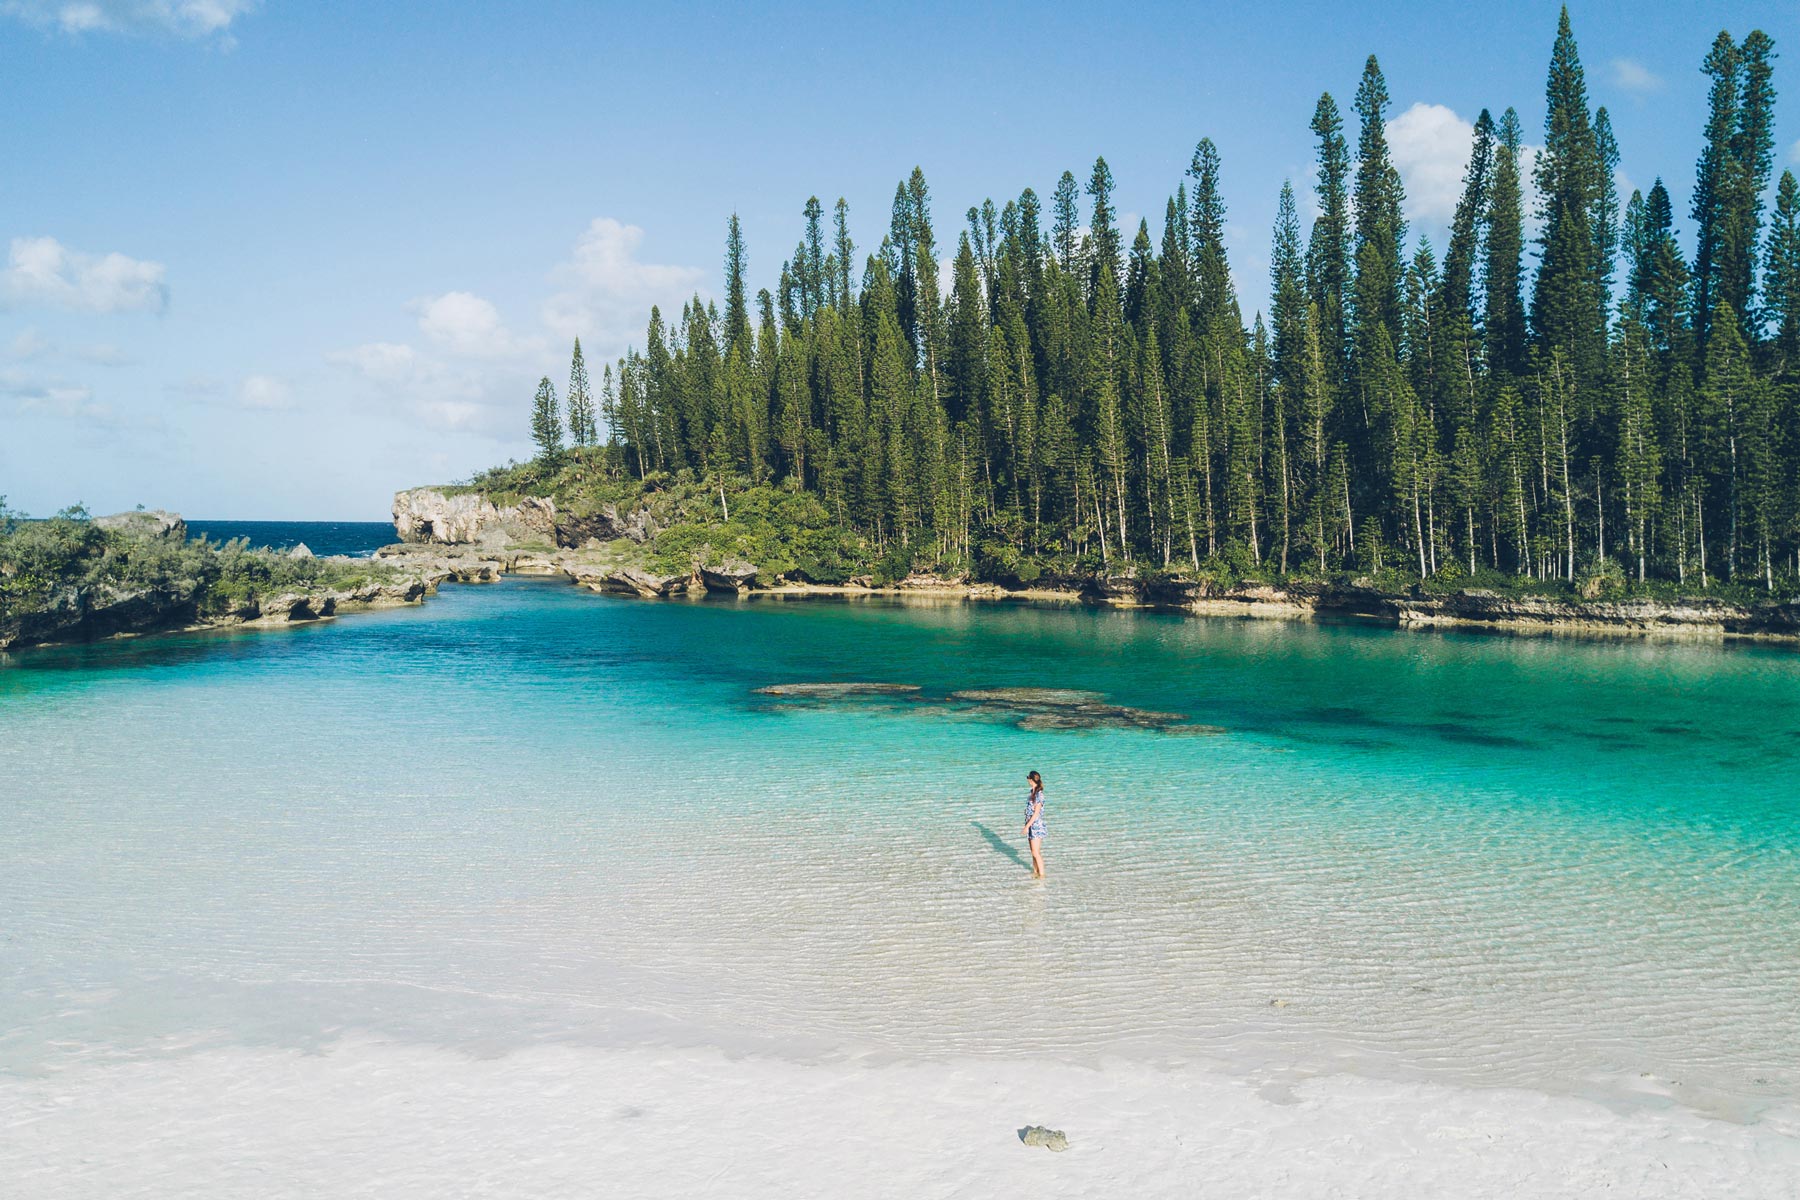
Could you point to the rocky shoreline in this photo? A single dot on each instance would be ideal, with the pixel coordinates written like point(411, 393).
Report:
point(89, 615)
point(466, 536)
point(599, 569)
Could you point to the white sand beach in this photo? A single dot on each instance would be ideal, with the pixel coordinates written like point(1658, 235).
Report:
point(368, 1118)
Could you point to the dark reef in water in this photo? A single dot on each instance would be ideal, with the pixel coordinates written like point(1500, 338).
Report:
point(1029, 708)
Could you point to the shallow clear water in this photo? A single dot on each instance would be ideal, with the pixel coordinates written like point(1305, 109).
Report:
point(525, 813)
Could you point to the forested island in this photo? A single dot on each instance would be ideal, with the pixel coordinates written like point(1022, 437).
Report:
point(1587, 429)
point(1593, 414)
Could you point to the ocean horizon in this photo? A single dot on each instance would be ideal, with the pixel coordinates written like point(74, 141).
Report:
point(356, 538)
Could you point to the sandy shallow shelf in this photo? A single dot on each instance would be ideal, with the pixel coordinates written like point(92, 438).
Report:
point(368, 1118)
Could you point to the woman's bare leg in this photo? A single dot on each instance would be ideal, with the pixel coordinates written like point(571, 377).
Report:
point(1037, 858)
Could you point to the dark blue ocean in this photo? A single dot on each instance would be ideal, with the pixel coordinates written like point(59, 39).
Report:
point(321, 537)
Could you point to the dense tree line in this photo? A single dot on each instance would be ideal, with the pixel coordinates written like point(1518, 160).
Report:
point(1077, 396)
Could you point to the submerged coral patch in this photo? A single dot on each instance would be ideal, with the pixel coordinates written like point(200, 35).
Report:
point(1036, 709)
point(836, 691)
point(1057, 709)
point(1033, 697)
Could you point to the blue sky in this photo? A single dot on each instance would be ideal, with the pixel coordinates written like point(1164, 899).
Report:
point(273, 259)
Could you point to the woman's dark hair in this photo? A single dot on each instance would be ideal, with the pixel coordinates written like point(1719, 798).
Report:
point(1037, 781)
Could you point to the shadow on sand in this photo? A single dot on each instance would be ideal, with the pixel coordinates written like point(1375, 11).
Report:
point(1000, 845)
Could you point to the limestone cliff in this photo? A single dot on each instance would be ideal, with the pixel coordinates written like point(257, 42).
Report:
point(429, 515)
point(147, 523)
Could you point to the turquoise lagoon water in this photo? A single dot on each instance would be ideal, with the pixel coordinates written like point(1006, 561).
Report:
point(524, 813)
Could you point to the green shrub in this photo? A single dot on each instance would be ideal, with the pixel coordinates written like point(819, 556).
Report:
point(895, 564)
point(1602, 579)
point(39, 559)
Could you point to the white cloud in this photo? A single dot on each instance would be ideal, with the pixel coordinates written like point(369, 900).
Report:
point(43, 271)
point(469, 371)
point(383, 362)
point(264, 392)
point(1429, 145)
point(1794, 153)
point(57, 398)
point(28, 344)
point(463, 323)
point(605, 293)
point(443, 395)
point(182, 18)
point(1634, 76)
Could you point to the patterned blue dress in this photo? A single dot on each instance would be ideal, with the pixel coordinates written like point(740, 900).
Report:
point(1036, 830)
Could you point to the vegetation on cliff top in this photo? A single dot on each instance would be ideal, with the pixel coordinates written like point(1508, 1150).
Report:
point(41, 561)
point(1087, 400)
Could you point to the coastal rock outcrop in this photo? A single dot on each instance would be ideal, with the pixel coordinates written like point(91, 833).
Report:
point(933, 583)
point(146, 523)
point(85, 614)
point(604, 524)
point(730, 577)
point(467, 538)
point(288, 608)
point(1700, 616)
point(293, 606)
point(639, 582)
point(90, 613)
point(429, 515)
point(1119, 589)
point(434, 516)
point(464, 564)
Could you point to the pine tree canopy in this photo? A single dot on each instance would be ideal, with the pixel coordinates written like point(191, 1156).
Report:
point(1027, 390)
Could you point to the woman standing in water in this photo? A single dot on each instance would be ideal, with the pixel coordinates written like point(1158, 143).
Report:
point(1034, 823)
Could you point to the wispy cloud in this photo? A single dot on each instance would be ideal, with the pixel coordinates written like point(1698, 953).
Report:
point(604, 293)
point(29, 345)
point(102, 354)
point(57, 398)
point(469, 370)
point(1634, 76)
point(264, 392)
point(43, 271)
point(483, 396)
point(178, 18)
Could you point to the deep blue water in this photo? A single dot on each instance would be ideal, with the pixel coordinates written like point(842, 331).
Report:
point(321, 537)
